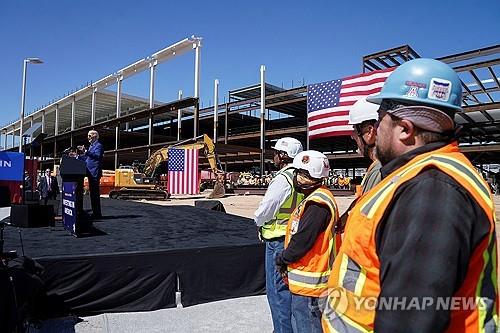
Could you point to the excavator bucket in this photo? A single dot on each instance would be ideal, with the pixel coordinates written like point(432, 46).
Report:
point(218, 192)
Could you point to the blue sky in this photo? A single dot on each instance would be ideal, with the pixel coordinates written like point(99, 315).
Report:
point(314, 41)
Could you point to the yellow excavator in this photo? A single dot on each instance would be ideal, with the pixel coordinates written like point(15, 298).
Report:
point(150, 184)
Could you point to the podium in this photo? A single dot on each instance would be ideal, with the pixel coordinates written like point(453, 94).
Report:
point(75, 220)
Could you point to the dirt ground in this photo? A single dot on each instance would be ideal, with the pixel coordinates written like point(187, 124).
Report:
point(245, 205)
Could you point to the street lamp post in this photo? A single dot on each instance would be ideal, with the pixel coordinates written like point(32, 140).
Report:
point(23, 97)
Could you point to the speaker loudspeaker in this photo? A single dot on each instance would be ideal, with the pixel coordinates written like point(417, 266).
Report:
point(31, 216)
point(210, 204)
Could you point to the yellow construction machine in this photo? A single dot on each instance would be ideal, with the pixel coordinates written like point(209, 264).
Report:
point(151, 184)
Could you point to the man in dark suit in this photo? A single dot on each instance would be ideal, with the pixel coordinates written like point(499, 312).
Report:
point(48, 187)
point(94, 156)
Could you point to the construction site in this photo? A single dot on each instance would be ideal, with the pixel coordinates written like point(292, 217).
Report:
point(250, 120)
point(140, 264)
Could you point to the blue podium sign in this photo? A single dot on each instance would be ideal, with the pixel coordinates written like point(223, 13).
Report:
point(69, 206)
point(11, 166)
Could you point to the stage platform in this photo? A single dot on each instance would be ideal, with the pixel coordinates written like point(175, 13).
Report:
point(140, 254)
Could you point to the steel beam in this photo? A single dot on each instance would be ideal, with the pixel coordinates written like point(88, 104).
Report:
point(163, 55)
point(470, 54)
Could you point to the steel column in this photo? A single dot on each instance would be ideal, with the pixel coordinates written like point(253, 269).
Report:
point(92, 110)
point(23, 100)
point(151, 132)
point(73, 111)
point(216, 110)
point(262, 117)
point(13, 136)
point(179, 119)
point(56, 121)
point(197, 47)
point(43, 121)
point(118, 112)
point(152, 76)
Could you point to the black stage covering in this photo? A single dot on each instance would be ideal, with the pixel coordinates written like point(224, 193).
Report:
point(138, 253)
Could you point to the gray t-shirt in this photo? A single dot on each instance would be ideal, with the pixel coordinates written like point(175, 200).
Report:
point(372, 177)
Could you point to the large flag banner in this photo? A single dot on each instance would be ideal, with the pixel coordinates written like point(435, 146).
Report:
point(328, 103)
point(183, 175)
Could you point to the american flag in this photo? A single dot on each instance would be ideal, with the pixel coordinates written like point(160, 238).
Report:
point(328, 103)
point(183, 175)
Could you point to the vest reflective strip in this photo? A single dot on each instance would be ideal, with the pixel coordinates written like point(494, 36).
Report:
point(288, 211)
point(485, 293)
point(371, 206)
point(308, 279)
point(352, 275)
point(340, 324)
point(457, 166)
point(326, 198)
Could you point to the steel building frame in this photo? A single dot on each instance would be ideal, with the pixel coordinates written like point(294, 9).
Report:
point(253, 117)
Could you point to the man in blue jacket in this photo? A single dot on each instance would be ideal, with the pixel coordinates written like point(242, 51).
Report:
point(94, 170)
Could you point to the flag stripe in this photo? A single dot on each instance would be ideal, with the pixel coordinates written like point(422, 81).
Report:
point(329, 103)
point(328, 114)
point(183, 175)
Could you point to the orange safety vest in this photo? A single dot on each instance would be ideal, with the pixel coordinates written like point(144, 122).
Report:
point(356, 271)
point(309, 275)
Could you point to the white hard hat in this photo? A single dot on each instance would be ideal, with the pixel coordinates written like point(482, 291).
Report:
point(363, 110)
point(314, 162)
point(289, 145)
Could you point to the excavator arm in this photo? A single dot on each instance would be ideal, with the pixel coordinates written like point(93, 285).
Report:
point(152, 163)
point(204, 142)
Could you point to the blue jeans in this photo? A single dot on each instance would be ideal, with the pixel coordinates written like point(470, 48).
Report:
point(307, 313)
point(278, 295)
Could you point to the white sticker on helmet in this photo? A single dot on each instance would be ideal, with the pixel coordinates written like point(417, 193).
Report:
point(439, 90)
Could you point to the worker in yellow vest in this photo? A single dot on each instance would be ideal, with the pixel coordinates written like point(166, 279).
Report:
point(271, 217)
point(419, 249)
point(362, 117)
point(310, 245)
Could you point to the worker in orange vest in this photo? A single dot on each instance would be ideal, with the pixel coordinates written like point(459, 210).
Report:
point(419, 249)
point(309, 243)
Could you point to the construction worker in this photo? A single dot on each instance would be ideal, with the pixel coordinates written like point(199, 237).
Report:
point(271, 217)
point(420, 246)
point(309, 243)
point(363, 117)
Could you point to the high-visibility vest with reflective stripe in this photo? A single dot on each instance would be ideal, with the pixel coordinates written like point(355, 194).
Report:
point(309, 275)
point(277, 226)
point(356, 271)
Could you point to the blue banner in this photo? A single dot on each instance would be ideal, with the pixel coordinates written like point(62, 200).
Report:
point(11, 166)
point(69, 206)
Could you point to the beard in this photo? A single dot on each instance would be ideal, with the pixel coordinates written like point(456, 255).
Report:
point(385, 153)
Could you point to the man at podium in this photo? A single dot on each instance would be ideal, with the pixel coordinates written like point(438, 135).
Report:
point(93, 160)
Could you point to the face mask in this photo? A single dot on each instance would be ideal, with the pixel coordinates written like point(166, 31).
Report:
point(304, 188)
